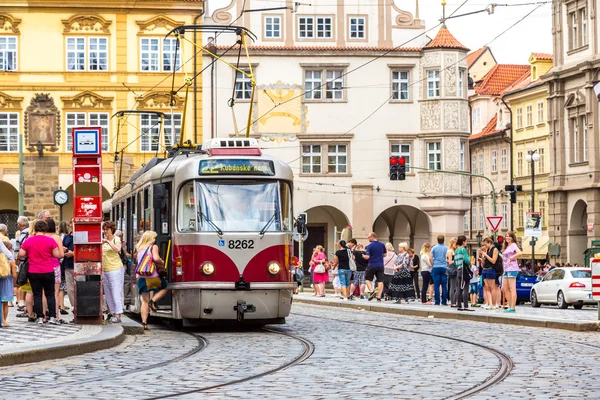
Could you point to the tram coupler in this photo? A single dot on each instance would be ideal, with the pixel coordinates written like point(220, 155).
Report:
point(242, 308)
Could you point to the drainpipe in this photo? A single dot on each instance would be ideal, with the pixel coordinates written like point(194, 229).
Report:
point(196, 18)
point(512, 228)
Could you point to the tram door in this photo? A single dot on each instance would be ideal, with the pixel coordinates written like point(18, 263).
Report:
point(161, 201)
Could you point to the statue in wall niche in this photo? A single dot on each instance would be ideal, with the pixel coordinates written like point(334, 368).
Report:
point(42, 123)
point(41, 129)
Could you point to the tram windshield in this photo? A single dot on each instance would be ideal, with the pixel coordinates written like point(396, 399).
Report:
point(234, 207)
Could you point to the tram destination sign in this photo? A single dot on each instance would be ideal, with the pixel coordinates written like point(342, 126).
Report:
point(237, 167)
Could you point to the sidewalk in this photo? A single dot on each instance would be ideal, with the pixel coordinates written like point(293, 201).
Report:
point(25, 342)
point(543, 317)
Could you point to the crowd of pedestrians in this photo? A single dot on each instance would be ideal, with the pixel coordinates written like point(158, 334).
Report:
point(448, 274)
point(43, 253)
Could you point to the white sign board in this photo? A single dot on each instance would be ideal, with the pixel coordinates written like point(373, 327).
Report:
point(86, 141)
point(533, 224)
point(596, 279)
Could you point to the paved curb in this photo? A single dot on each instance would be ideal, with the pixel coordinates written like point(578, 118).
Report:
point(109, 336)
point(130, 326)
point(494, 319)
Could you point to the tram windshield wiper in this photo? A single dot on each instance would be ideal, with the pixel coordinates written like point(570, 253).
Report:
point(202, 216)
point(264, 229)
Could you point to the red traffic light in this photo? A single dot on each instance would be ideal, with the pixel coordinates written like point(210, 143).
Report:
point(500, 239)
point(401, 160)
point(393, 160)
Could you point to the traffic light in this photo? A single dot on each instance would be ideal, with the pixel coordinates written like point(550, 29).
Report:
point(394, 168)
point(513, 189)
point(499, 243)
point(401, 168)
point(513, 197)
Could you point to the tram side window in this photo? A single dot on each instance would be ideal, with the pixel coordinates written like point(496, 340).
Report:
point(123, 221)
point(140, 227)
point(186, 214)
point(286, 206)
point(147, 210)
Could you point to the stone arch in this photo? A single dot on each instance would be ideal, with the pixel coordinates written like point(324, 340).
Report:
point(323, 224)
point(403, 223)
point(68, 208)
point(577, 232)
point(9, 207)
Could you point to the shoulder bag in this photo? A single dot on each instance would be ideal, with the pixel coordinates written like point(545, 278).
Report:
point(351, 261)
point(320, 268)
point(146, 266)
point(23, 272)
point(4, 266)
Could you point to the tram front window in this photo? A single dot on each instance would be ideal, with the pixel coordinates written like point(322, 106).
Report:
point(233, 207)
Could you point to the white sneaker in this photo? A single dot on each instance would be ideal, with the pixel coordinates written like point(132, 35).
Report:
point(39, 321)
point(53, 321)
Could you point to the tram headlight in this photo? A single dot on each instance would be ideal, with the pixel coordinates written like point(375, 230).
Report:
point(273, 268)
point(208, 268)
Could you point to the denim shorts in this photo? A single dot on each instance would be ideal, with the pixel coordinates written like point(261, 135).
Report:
point(510, 274)
point(489, 273)
point(344, 275)
point(473, 288)
point(359, 278)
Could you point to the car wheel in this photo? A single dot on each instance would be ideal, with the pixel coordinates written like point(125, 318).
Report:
point(561, 301)
point(578, 306)
point(534, 300)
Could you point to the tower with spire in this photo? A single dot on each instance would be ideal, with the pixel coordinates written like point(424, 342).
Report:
point(444, 127)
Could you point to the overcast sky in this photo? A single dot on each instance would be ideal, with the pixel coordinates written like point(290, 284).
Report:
point(534, 34)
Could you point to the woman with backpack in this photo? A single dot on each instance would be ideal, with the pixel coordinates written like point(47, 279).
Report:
point(147, 255)
point(342, 259)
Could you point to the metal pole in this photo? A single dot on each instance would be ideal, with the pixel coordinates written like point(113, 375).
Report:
point(60, 215)
point(21, 177)
point(532, 209)
point(301, 257)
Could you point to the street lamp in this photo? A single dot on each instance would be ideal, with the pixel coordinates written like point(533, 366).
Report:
point(532, 157)
point(479, 237)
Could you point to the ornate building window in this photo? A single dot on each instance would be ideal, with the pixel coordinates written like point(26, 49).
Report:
point(308, 25)
point(481, 218)
point(519, 118)
point(577, 21)
point(158, 55)
point(503, 159)
point(466, 222)
point(8, 53)
point(329, 78)
point(481, 170)
point(336, 155)
point(540, 113)
point(150, 126)
point(358, 27)
point(243, 85)
point(529, 115)
point(9, 132)
point(494, 161)
point(433, 84)
point(87, 55)
point(434, 156)
point(578, 127)
point(504, 215)
point(474, 218)
point(542, 162)
point(461, 83)
point(272, 26)
point(520, 163)
point(400, 85)
point(473, 164)
point(520, 214)
point(87, 109)
point(462, 156)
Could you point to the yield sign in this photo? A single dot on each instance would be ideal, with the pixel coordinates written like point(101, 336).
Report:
point(495, 221)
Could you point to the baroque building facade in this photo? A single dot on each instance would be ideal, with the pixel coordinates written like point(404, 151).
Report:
point(341, 89)
point(70, 65)
point(574, 170)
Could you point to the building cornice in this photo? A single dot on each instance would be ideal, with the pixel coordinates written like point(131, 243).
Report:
point(108, 6)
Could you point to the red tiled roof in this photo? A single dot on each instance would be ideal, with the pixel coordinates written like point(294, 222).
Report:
point(474, 56)
point(445, 40)
point(489, 129)
point(542, 56)
point(499, 78)
point(325, 48)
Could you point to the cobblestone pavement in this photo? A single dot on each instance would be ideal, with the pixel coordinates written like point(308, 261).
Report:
point(23, 334)
point(356, 356)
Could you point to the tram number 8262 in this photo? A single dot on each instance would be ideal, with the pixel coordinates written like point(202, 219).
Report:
point(241, 244)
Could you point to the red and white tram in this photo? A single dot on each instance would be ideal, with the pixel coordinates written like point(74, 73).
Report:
point(224, 221)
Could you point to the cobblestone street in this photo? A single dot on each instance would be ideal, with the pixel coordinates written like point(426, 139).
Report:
point(356, 354)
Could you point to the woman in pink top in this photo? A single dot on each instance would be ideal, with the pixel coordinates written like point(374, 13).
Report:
point(511, 270)
point(41, 251)
point(319, 258)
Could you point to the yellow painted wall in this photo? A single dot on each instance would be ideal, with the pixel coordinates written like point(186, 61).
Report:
point(42, 68)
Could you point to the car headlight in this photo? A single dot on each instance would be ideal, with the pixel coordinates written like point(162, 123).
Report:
point(208, 268)
point(273, 268)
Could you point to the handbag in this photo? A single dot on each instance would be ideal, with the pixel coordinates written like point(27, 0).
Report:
point(351, 261)
point(320, 269)
point(153, 283)
point(146, 267)
point(4, 266)
point(23, 272)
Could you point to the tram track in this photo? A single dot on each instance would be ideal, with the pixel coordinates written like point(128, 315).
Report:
point(308, 349)
point(504, 369)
